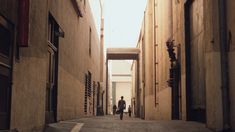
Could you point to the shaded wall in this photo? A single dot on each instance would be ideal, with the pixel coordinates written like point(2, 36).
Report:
point(30, 70)
point(29, 74)
point(156, 30)
point(163, 33)
point(197, 46)
point(231, 58)
point(74, 58)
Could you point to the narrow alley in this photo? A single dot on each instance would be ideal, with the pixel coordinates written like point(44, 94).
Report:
point(71, 65)
point(114, 124)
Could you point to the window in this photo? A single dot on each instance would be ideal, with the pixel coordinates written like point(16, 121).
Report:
point(52, 70)
point(89, 84)
point(85, 95)
point(90, 33)
point(53, 30)
point(6, 45)
point(5, 41)
point(87, 90)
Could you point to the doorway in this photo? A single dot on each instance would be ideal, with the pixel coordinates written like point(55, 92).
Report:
point(6, 42)
point(195, 72)
point(52, 71)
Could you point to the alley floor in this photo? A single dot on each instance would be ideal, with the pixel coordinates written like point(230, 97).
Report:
point(114, 124)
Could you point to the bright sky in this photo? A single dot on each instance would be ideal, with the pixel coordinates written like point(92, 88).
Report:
point(122, 21)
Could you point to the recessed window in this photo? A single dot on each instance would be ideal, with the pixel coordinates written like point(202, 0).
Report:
point(53, 29)
point(90, 33)
point(6, 44)
point(5, 36)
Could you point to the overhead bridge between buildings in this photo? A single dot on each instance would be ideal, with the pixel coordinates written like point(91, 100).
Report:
point(123, 53)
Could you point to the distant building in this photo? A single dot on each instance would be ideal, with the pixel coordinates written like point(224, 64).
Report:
point(49, 56)
point(121, 80)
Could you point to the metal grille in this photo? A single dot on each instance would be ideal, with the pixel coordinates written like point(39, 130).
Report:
point(89, 84)
point(87, 91)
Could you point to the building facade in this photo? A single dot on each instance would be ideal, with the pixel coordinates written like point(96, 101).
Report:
point(49, 56)
point(186, 66)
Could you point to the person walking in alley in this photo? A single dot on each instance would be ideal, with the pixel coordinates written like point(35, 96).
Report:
point(121, 106)
point(129, 110)
point(114, 109)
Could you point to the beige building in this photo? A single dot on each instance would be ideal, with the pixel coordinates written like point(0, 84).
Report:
point(49, 56)
point(121, 81)
point(185, 64)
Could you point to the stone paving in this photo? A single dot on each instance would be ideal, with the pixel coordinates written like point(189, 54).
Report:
point(114, 124)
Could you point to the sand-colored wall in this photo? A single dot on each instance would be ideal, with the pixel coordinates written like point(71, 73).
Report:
point(30, 70)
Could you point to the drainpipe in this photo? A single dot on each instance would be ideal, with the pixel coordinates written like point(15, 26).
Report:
point(23, 27)
point(154, 52)
point(224, 63)
point(102, 103)
point(143, 44)
point(170, 18)
point(107, 87)
point(101, 38)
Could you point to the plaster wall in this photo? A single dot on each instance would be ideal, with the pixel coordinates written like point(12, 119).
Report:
point(30, 70)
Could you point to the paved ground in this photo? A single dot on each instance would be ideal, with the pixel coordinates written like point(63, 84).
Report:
point(113, 124)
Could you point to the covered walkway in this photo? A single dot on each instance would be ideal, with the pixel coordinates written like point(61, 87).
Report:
point(122, 53)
